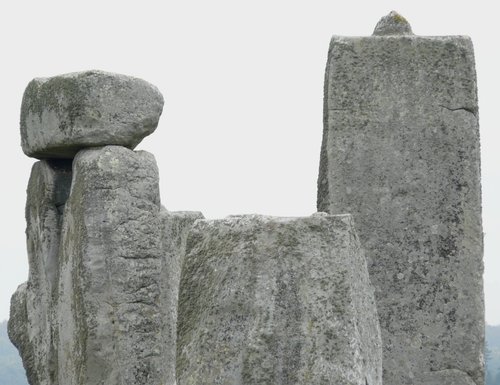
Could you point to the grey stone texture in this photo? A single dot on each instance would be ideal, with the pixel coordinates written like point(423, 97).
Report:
point(63, 114)
point(111, 255)
point(401, 154)
point(100, 304)
point(175, 228)
point(393, 24)
point(31, 326)
point(276, 301)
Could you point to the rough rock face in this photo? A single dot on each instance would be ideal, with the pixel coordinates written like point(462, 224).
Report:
point(63, 114)
point(276, 301)
point(111, 257)
point(100, 304)
point(176, 226)
point(31, 326)
point(401, 153)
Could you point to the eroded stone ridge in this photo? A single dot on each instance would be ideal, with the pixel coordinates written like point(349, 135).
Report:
point(268, 300)
point(63, 114)
point(175, 228)
point(401, 153)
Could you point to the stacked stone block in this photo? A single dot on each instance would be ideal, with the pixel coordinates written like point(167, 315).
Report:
point(100, 302)
point(281, 301)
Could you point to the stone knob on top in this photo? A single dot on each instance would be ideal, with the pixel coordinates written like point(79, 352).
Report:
point(392, 24)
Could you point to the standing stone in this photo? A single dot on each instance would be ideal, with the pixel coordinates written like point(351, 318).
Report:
point(63, 114)
point(401, 153)
point(111, 257)
point(31, 327)
point(276, 301)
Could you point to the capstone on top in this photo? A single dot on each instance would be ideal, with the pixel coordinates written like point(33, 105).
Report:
point(392, 24)
point(63, 114)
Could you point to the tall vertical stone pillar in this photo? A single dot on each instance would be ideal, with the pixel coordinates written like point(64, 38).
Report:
point(33, 310)
point(401, 153)
point(111, 253)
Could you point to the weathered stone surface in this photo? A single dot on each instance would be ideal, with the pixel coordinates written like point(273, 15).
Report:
point(100, 305)
point(276, 301)
point(175, 227)
point(31, 327)
point(111, 257)
point(401, 153)
point(17, 329)
point(63, 114)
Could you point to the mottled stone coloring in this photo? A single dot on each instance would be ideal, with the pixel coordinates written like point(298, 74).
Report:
point(32, 326)
point(401, 154)
point(279, 301)
point(64, 114)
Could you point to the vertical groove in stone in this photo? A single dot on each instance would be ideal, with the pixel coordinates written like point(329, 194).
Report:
point(175, 228)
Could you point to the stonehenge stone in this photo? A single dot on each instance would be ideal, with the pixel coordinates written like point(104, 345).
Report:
point(31, 326)
point(401, 153)
point(111, 254)
point(100, 304)
point(268, 300)
point(63, 114)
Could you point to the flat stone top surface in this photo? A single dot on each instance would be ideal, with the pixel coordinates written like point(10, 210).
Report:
point(282, 301)
point(63, 114)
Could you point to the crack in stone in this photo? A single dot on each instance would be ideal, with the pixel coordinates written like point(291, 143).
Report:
point(472, 110)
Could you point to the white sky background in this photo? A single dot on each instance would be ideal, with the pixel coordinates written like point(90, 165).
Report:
point(243, 84)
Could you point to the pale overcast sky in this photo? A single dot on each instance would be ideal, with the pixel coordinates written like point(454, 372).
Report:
point(243, 84)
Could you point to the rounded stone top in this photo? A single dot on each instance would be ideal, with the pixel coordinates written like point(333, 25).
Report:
point(392, 24)
point(64, 114)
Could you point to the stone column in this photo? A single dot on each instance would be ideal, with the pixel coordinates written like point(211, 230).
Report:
point(401, 153)
point(32, 326)
point(279, 301)
point(111, 253)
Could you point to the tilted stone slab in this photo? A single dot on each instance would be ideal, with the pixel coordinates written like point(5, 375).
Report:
point(401, 153)
point(63, 114)
point(32, 328)
point(111, 256)
point(276, 301)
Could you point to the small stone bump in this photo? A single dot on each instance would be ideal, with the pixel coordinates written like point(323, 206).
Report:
point(392, 24)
